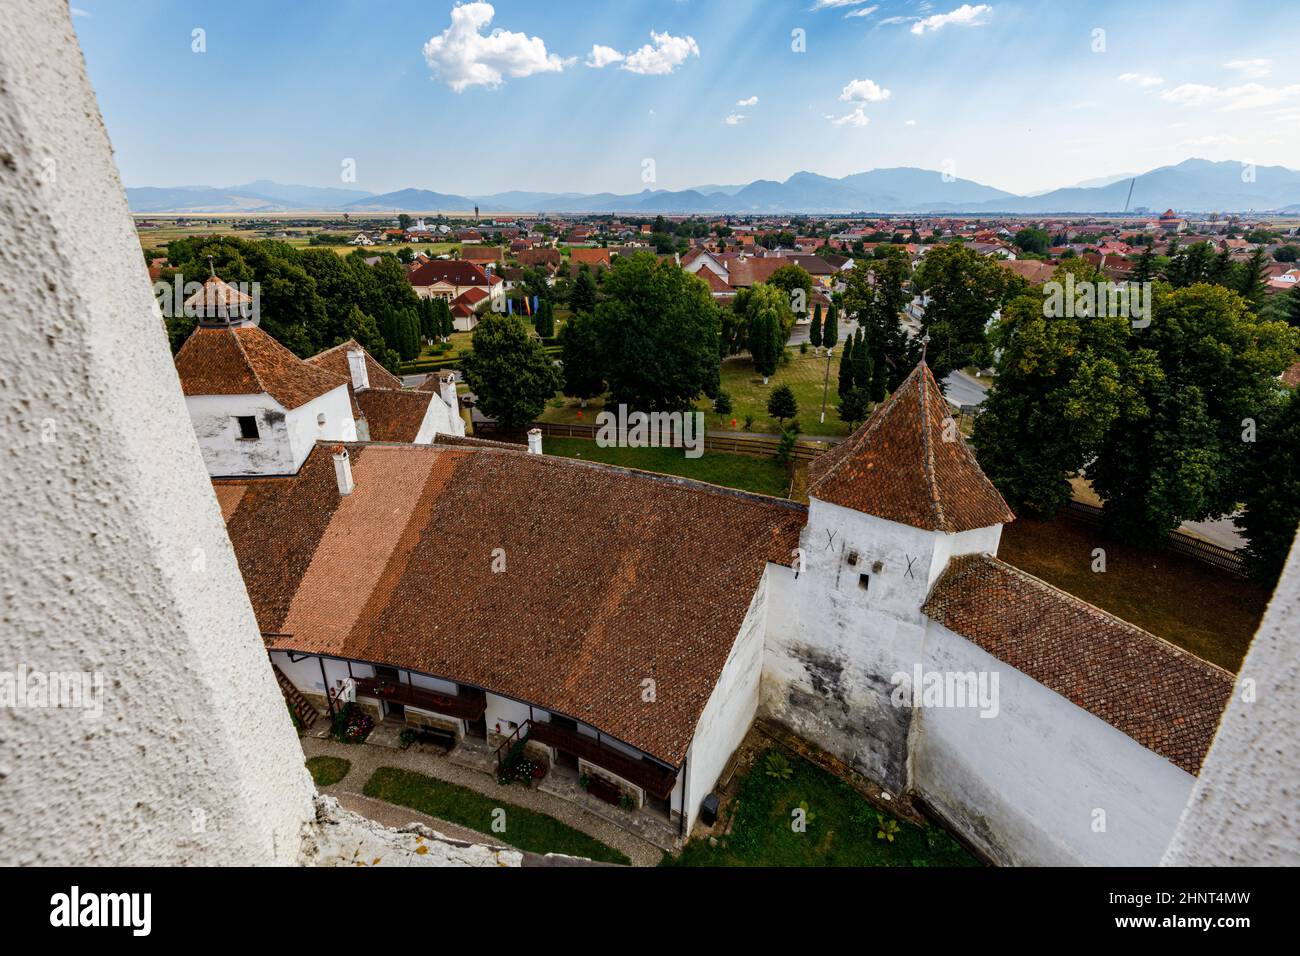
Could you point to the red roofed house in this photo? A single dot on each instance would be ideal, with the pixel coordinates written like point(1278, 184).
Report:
point(452, 280)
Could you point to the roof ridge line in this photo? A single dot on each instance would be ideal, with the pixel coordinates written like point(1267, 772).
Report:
point(1101, 610)
point(932, 483)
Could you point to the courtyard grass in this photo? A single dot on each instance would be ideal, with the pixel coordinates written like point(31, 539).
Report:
point(525, 829)
point(326, 771)
point(760, 475)
point(804, 374)
point(841, 827)
point(1209, 612)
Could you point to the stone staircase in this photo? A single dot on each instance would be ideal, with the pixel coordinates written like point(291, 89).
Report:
point(301, 707)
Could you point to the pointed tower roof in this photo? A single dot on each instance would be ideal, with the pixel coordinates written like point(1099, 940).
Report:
point(899, 467)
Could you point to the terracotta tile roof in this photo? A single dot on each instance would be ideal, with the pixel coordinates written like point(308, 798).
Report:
point(1291, 377)
point(1032, 270)
point(400, 573)
point(336, 360)
point(1166, 699)
point(247, 361)
point(898, 466)
point(590, 256)
point(715, 282)
point(394, 414)
point(453, 271)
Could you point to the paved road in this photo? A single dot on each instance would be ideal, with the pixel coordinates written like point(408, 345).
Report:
point(800, 332)
point(1221, 531)
point(965, 389)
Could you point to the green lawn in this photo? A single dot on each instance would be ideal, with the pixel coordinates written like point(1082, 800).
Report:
point(328, 770)
point(804, 374)
point(841, 827)
point(525, 829)
point(760, 475)
point(1209, 612)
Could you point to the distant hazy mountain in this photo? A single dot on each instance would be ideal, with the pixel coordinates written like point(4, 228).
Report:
point(1195, 185)
point(310, 197)
point(414, 200)
point(260, 196)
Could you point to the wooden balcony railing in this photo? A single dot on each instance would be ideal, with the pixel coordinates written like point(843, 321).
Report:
point(467, 705)
point(655, 779)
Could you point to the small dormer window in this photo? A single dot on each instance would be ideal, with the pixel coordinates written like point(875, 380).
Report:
point(864, 581)
point(247, 427)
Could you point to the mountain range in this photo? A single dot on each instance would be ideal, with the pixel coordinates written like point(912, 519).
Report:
point(1194, 185)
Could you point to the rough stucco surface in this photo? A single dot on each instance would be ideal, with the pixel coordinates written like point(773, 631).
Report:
point(117, 559)
point(1243, 809)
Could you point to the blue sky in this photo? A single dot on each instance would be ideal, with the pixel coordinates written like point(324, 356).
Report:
point(1024, 96)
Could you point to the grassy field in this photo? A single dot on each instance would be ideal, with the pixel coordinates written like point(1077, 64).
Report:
point(328, 770)
point(525, 829)
point(760, 475)
point(1211, 613)
point(841, 827)
point(804, 374)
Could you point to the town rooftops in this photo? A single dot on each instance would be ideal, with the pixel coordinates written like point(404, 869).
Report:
point(909, 463)
point(1166, 699)
point(336, 360)
point(246, 361)
point(394, 414)
point(455, 272)
point(401, 572)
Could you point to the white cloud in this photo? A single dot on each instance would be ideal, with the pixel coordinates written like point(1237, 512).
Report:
point(1255, 69)
point(864, 12)
point(1141, 79)
point(834, 4)
point(734, 119)
point(463, 56)
point(602, 56)
point(1227, 99)
point(78, 12)
point(864, 91)
point(666, 54)
point(909, 122)
point(751, 101)
point(964, 16)
point(856, 118)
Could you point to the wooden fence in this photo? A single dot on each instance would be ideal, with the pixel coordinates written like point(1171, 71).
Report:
point(1180, 542)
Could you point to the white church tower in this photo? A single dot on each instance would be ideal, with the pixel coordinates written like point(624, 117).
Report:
point(887, 510)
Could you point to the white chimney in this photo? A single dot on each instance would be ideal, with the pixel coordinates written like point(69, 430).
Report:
point(447, 390)
point(357, 366)
point(343, 471)
point(534, 441)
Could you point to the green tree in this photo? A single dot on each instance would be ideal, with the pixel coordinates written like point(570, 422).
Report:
point(1059, 388)
point(863, 366)
point(815, 330)
point(658, 330)
point(510, 373)
point(876, 294)
point(1034, 240)
point(764, 343)
point(797, 285)
point(582, 297)
point(1203, 369)
point(1144, 270)
point(1253, 279)
point(580, 352)
point(781, 404)
point(846, 382)
point(854, 407)
point(964, 290)
point(1270, 491)
point(364, 330)
point(831, 330)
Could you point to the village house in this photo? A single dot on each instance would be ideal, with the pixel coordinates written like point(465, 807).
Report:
point(467, 288)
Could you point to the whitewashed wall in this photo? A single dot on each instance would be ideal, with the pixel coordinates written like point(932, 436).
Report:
point(285, 437)
point(731, 707)
point(1026, 786)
